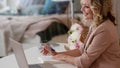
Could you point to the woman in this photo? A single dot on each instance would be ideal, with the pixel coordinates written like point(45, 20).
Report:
point(101, 47)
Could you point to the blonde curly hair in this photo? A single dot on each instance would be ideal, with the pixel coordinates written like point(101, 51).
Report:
point(102, 10)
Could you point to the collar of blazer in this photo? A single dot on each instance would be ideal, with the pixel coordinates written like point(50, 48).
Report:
point(92, 32)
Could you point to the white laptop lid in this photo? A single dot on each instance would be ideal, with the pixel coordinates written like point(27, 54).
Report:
point(19, 54)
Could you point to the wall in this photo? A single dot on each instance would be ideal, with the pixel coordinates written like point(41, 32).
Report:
point(116, 8)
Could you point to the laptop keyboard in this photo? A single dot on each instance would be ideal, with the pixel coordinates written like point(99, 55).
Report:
point(35, 66)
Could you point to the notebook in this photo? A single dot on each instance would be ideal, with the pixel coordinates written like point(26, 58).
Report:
point(20, 55)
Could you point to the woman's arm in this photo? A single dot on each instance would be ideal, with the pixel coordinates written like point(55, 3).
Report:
point(47, 49)
point(75, 52)
point(66, 58)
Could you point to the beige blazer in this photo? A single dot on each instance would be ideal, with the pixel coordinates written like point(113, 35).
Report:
point(101, 48)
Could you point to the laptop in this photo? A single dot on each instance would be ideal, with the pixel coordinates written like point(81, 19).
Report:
point(20, 55)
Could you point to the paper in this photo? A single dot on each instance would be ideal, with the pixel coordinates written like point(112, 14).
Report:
point(49, 59)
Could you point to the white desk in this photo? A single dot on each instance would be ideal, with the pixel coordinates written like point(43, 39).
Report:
point(32, 55)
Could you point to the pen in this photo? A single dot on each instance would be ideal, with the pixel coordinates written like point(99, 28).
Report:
point(52, 49)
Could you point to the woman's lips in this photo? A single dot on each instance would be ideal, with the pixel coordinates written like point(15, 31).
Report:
point(86, 14)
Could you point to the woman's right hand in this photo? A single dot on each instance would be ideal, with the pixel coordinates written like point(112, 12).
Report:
point(47, 49)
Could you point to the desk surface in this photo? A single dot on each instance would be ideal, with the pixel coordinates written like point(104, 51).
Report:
point(32, 55)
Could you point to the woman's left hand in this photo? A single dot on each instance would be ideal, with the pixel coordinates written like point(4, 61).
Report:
point(66, 58)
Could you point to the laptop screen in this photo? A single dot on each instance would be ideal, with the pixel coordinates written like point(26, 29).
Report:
point(20, 56)
point(19, 53)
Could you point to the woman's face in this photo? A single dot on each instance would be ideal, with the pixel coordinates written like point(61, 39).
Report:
point(87, 12)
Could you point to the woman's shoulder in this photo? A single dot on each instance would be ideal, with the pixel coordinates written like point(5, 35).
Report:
point(105, 26)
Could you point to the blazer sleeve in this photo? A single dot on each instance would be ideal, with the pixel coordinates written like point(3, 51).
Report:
point(100, 42)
